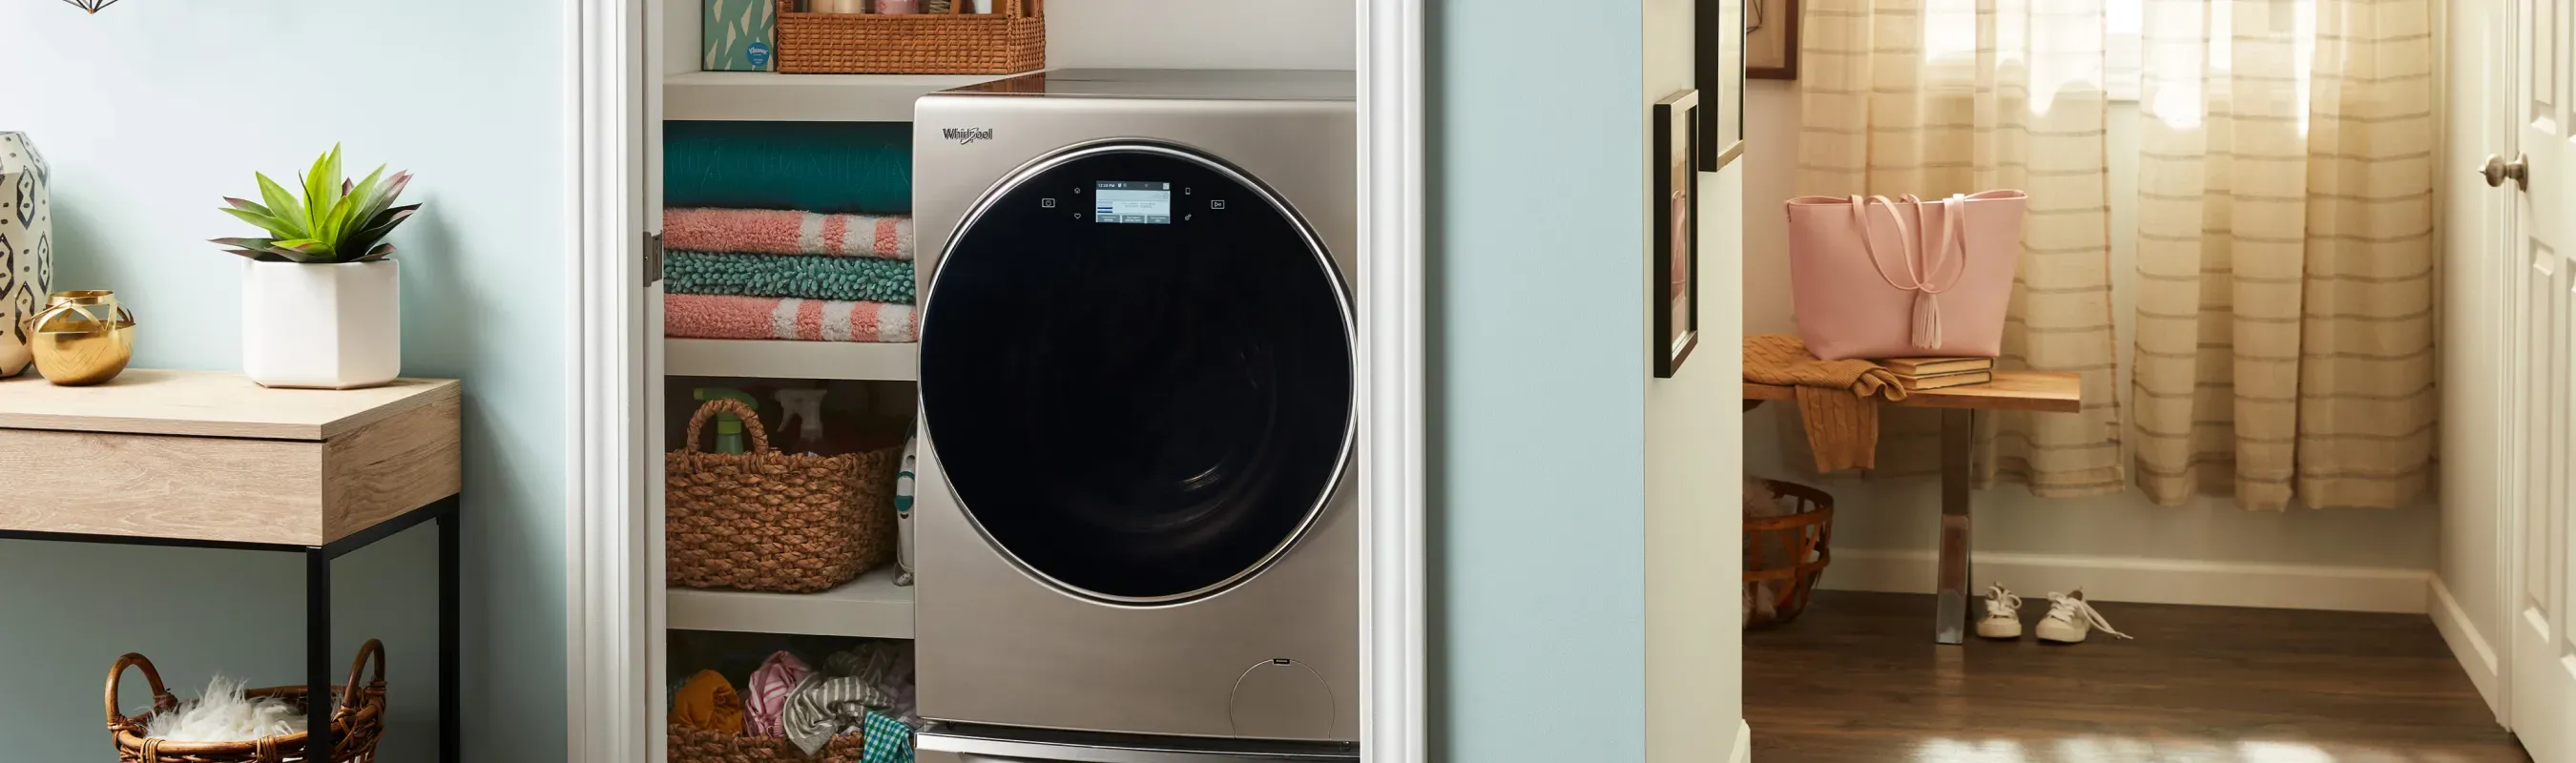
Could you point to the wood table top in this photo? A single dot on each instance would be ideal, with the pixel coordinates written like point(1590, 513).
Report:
point(208, 404)
point(2045, 391)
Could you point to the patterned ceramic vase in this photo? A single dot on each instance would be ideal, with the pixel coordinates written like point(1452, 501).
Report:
point(26, 246)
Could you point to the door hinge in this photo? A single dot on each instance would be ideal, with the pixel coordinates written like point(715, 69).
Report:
point(652, 258)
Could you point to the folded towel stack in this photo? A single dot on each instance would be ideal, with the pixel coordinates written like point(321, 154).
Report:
point(783, 274)
point(788, 230)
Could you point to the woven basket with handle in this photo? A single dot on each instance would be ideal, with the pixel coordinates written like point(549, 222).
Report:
point(1785, 555)
point(772, 521)
point(1009, 41)
point(357, 725)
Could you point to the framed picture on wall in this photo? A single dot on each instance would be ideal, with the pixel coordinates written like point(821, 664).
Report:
point(1771, 39)
point(1720, 71)
point(1676, 231)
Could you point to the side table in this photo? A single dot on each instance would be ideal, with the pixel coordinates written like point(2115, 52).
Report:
point(210, 460)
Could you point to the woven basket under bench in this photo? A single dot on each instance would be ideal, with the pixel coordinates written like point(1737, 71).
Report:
point(1011, 41)
point(1784, 556)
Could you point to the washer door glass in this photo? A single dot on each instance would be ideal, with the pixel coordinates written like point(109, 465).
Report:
point(1136, 373)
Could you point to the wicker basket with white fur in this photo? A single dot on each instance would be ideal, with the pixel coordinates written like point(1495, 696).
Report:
point(356, 725)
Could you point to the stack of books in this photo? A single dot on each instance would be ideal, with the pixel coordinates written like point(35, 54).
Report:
point(1936, 373)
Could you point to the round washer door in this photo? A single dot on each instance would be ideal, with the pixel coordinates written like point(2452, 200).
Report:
point(1136, 372)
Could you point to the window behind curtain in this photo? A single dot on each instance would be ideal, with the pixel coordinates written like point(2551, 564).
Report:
point(1950, 34)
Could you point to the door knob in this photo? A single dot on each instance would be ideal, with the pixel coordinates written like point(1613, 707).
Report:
point(2498, 170)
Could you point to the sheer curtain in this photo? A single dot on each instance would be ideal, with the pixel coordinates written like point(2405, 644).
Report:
point(2285, 255)
point(1933, 97)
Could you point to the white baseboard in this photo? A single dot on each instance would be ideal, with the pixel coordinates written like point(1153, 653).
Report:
point(2468, 644)
point(2155, 581)
point(1743, 744)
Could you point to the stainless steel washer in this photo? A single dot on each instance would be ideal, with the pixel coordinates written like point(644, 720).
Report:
point(1138, 527)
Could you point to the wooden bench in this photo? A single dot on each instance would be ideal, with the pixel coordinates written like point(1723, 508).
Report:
point(2046, 391)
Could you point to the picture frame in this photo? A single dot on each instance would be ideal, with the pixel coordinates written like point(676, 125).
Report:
point(1675, 269)
point(1771, 39)
point(1719, 67)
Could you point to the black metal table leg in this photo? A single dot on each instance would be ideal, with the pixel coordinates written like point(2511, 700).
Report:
point(317, 653)
point(318, 678)
point(451, 720)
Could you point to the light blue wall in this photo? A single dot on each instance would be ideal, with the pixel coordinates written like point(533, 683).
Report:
point(1538, 396)
point(149, 112)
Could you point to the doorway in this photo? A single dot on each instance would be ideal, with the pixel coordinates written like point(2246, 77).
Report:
point(640, 68)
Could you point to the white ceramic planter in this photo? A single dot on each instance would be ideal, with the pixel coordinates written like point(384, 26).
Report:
point(321, 326)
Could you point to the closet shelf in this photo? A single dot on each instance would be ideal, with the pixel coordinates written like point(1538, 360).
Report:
point(770, 97)
point(784, 359)
point(871, 607)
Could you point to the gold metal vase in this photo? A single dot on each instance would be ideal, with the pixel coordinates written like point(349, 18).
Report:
point(81, 337)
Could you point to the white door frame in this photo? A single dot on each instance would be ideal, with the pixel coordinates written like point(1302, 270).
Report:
point(608, 589)
point(612, 613)
point(2495, 268)
point(2503, 129)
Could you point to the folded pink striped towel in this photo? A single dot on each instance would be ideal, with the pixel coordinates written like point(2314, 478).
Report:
point(773, 231)
point(713, 316)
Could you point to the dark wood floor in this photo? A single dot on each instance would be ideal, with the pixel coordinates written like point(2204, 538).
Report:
point(1859, 679)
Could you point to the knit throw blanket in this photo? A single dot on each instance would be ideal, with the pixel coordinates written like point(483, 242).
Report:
point(778, 231)
point(1833, 397)
point(843, 279)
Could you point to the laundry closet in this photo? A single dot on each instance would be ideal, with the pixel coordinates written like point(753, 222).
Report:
point(1138, 527)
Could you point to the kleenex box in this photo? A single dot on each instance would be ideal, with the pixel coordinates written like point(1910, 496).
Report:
point(739, 36)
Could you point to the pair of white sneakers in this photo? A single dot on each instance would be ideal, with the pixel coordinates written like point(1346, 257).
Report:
point(2069, 619)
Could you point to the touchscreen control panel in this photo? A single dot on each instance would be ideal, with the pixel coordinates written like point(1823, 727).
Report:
point(1132, 202)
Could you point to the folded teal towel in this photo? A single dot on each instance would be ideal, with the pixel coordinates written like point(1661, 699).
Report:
point(845, 279)
point(828, 167)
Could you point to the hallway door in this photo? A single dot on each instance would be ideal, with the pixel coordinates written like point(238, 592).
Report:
point(2541, 366)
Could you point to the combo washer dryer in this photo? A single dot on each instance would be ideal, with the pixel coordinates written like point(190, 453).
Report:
point(1137, 528)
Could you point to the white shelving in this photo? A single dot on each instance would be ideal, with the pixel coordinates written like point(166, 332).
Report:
point(770, 97)
point(784, 359)
point(871, 606)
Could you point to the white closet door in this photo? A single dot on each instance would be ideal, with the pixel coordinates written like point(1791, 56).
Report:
point(2542, 362)
point(670, 47)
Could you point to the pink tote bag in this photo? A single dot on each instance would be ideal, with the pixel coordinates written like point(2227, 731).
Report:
point(1879, 278)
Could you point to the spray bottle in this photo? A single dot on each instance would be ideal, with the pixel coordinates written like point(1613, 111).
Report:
point(804, 408)
point(728, 426)
point(903, 493)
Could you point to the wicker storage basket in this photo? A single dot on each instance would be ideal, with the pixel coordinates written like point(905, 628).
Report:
point(1008, 42)
point(696, 745)
point(1783, 556)
point(357, 725)
point(771, 521)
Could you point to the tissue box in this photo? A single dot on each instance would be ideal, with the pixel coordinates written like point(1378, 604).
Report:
point(740, 36)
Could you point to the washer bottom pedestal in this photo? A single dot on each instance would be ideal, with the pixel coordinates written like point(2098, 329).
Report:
point(948, 743)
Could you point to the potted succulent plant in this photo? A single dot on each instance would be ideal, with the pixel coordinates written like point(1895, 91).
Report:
point(321, 293)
